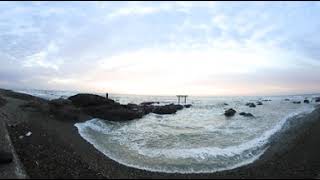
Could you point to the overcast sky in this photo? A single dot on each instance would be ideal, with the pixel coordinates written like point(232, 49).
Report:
point(195, 48)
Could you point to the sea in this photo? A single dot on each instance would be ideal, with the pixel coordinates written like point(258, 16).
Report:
point(200, 139)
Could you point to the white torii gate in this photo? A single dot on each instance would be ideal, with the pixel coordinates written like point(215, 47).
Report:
point(182, 96)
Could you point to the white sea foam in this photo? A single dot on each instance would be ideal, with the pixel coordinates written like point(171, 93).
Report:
point(247, 152)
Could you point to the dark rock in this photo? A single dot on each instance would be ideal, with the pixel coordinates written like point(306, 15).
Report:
point(266, 100)
point(149, 103)
point(66, 113)
point(167, 109)
point(84, 100)
point(187, 105)
point(296, 102)
point(60, 102)
point(250, 104)
point(133, 106)
point(317, 99)
point(5, 157)
point(230, 112)
point(63, 109)
point(35, 105)
point(113, 114)
point(2, 101)
point(287, 99)
point(246, 114)
point(306, 101)
point(259, 103)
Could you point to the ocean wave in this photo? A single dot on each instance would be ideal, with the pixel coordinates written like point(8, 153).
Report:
point(247, 152)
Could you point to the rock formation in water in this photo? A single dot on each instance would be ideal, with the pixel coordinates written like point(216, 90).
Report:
point(246, 114)
point(100, 107)
point(250, 104)
point(230, 112)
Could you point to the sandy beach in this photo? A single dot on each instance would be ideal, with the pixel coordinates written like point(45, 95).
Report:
point(56, 150)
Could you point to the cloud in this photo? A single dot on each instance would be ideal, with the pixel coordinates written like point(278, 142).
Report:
point(161, 47)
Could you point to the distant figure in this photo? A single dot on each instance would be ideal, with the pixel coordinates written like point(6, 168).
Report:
point(107, 95)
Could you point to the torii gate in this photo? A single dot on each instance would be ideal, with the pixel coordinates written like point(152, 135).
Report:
point(182, 96)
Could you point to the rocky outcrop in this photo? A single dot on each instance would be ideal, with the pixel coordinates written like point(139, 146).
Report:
point(259, 103)
point(117, 113)
point(250, 104)
point(84, 100)
point(64, 109)
point(167, 109)
point(306, 101)
point(296, 102)
point(317, 99)
point(100, 107)
point(230, 112)
point(149, 103)
point(246, 114)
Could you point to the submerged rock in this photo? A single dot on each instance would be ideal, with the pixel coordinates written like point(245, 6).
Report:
point(246, 114)
point(187, 105)
point(230, 112)
point(5, 157)
point(306, 101)
point(296, 102)
point(250, 104)
point(287, 99)
point(259, 103)
point(226, 104)
point(149, 103)
point(317, 99)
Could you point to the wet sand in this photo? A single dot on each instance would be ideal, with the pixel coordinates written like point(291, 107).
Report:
point(56, 150)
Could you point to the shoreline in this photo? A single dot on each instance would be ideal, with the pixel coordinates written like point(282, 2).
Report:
point(294, 155)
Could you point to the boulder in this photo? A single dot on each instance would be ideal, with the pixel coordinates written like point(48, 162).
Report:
point(306, 101)
point(259, 103)
point(246, 114)
point(296, 102)
point(230, 112)
point(226, 104)
point(167, 109)
point(317, 99)
point(250, 104)
point(84, 100)
point(5, 157)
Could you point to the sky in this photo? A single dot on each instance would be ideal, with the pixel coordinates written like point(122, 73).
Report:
point(161, 48)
